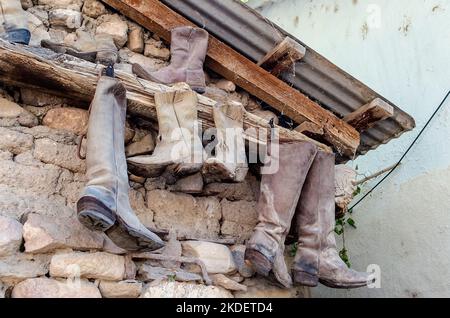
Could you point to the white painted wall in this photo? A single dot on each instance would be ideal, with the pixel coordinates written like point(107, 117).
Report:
point(401, 49)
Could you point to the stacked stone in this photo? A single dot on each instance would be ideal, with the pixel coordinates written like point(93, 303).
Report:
point(46, 252)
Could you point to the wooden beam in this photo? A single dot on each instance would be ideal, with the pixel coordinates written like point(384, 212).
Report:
point(66, 76)
point(283, 56)
point(368, 115)
point(158, 18)
point(310, 128)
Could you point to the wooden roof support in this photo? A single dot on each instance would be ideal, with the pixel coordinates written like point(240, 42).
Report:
point(283, 56)
point(67, 76)
point(158, 18)
point(368, 115)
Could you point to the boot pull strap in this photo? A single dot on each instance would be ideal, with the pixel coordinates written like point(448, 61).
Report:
point(79, 143)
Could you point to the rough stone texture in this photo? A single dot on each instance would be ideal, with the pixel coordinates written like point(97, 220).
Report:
point(21, 266)
point(97, 265)
point(124, 289)
point(130, 57)
point(216, 257)
point(189, 216)
point(50, 288)
point(227, 283)
point(93, 8)
point(148, 273)
point(9, 108)
point(15, 142)
point(44, 234)
point(239, 219)
point(135, 39)
point(39, 99)
point(116, 27)
point(226, 85)
point(64, 4)
point(247, 190)
point(184, 290)
point(263, 288)
point(192, 184)
point(10, 236)
point(156, 49)
point(65, 18)
point(71, 119)
point(62, 155)
point(37, 29)
point(238, 252)
point(144, 146)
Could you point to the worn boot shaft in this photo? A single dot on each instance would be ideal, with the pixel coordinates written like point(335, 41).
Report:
point(317, 258)
point(230, 160)
point(13, 22)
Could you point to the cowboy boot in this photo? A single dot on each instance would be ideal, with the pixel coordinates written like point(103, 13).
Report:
point(230, 161)
point(14, 22)
point(104, 204)
point(178, 146)
point(188, 51)
point(106, 52)
point(276, 206)
point(317, 258)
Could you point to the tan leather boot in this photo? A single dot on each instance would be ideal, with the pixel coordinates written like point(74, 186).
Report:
point(13, 22)
point(106, 52)
point(104, 204)
point(230, 160)
point(178, 143)
point(317, 258)
point(188, 51)
point(276, 206)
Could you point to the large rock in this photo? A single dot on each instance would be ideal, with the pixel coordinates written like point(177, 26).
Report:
point(65, 156)
point(192, 184)
point(216, 257)
point(50, 288)
point(62, 4)
point(188, 216)
point(114, 26)
point(36, 98)
point(14, 141)
point(184, 290)
point(37, 27)
point(72, 119)
point(246, 190)
point(21, 266)
point(124, 289)
point(97, 265)
point(135, 38)
point(45, 234)
point(148, 273)
point(10, 236)
point(128, 56)
point(65, 18)
point(81, 40)
point(94, 8)
point(239, 219)
point(142, 147)
point(9, 108)
point(263, 288)
point(156, 49)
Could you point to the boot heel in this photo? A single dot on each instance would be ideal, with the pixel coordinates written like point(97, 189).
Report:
point(196, 80)
point(258, 261)
point(305, 279)
point(94, 215)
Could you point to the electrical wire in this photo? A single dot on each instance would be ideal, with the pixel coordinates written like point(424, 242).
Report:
point(406, 152)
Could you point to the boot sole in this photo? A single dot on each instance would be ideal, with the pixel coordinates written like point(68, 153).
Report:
point(94, 215)
point(305, 279)
point(336, 285)
point(258, 262)
point(131, 239)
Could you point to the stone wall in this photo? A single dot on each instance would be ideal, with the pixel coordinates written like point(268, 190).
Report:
point(45, 252)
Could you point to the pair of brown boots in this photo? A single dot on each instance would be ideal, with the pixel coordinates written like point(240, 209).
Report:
point(302, 190)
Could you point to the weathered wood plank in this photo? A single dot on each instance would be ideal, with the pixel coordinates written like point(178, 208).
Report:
point(158, 18)
point(282, 56)
point(365, 117)
point(70, 77)
point(309, 127)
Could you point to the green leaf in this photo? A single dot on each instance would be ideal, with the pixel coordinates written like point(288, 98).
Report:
point(357, 191)
point(351, 222)
point(344, 256)
point(339, 229)
point(171, 278)
point(293, 249)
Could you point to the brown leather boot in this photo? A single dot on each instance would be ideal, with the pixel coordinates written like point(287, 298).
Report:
point(105, 205)
point(188, 51)
point(13, 22)
point(317, 259)
point(276, 206)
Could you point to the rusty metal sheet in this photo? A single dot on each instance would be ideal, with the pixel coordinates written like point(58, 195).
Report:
point(249, 33)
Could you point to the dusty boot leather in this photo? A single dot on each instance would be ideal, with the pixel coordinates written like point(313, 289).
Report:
point(106, 52)
point(276, 206)
point(104, 204)
point(13, 22)
point(179, 148)
point(188, 51)
point(317, 258)
point(230, 161)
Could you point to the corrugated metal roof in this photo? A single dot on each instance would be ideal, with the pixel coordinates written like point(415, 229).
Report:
point(249, 33)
